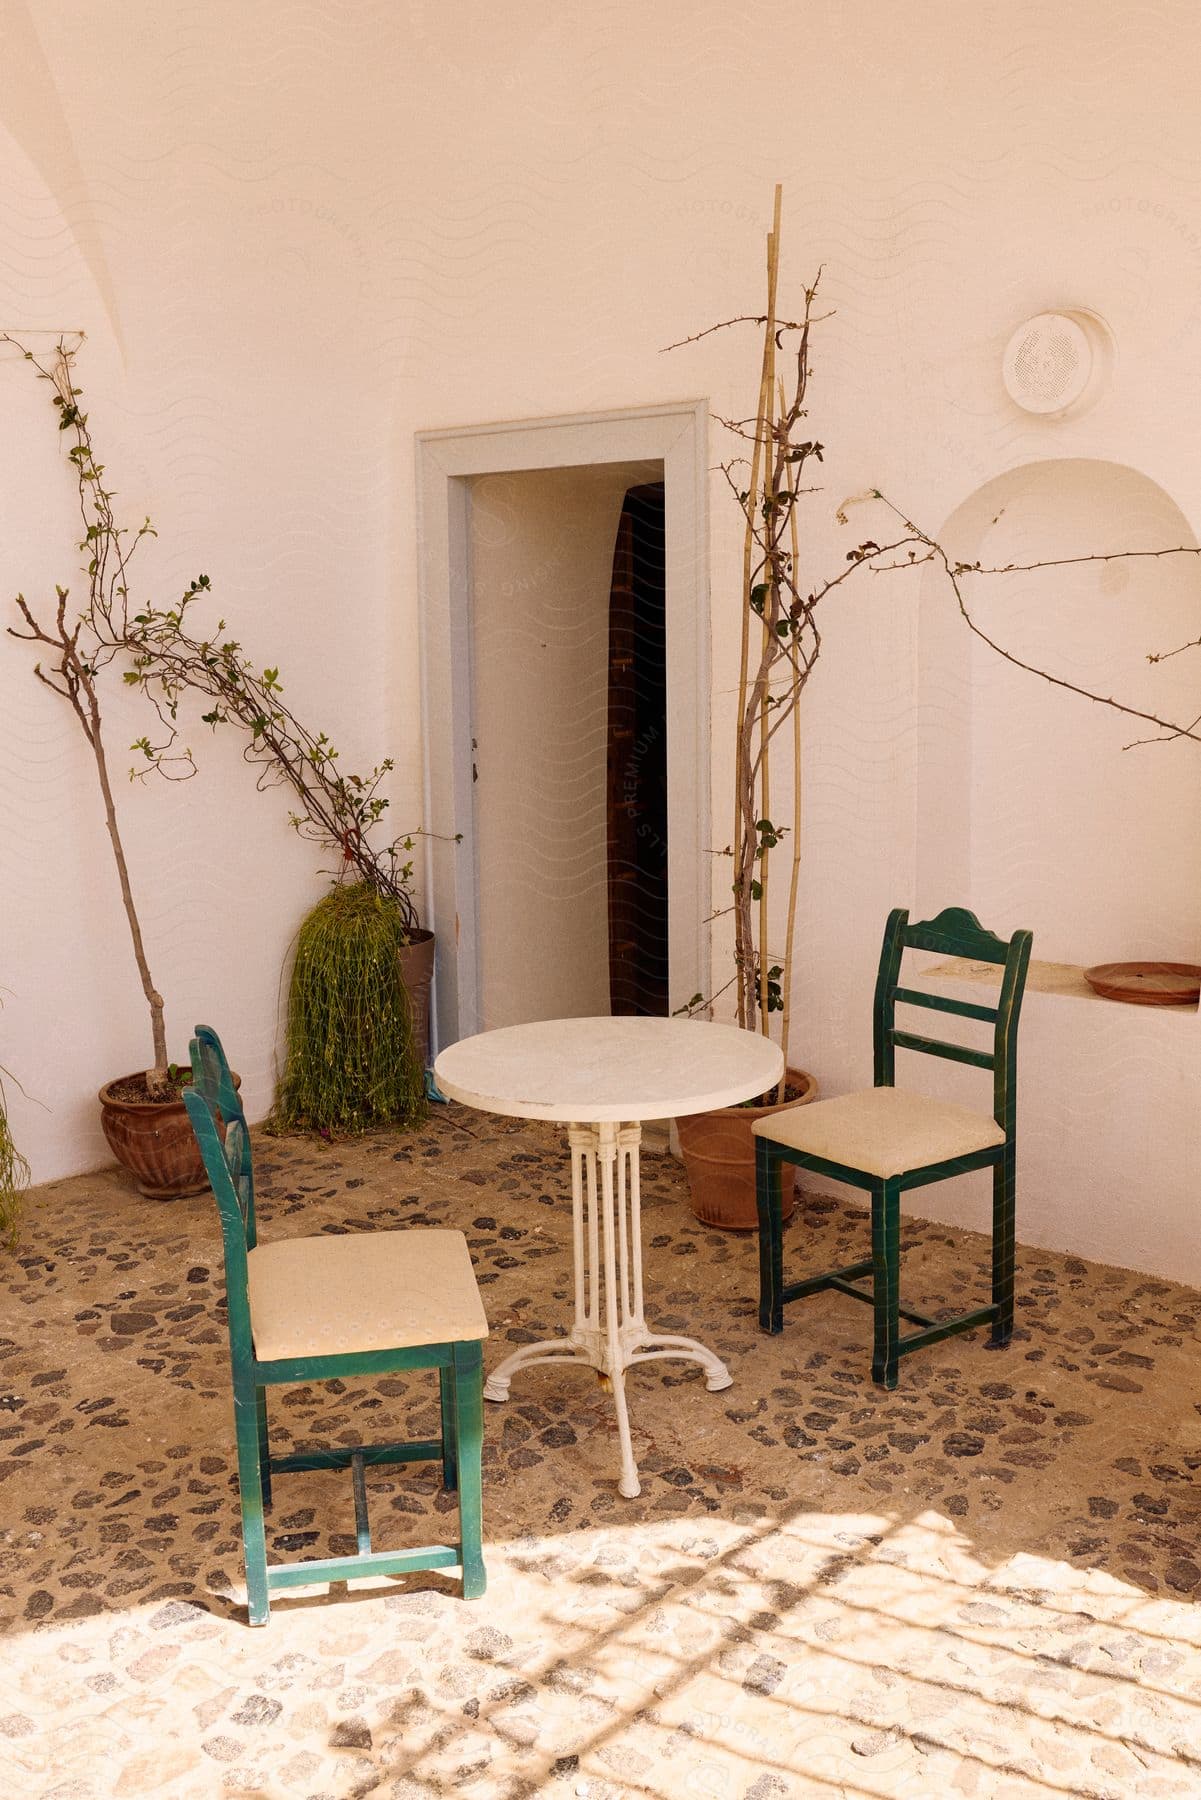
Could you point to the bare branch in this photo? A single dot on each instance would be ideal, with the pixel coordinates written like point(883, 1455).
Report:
point(953, 572)
point(724, 325)
point(1066, 562)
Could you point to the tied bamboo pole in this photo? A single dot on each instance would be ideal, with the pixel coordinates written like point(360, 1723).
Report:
point(794, 880)
point(743, 959)
point(770, 484)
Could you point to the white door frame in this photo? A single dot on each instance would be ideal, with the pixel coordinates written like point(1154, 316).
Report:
point(447, 460)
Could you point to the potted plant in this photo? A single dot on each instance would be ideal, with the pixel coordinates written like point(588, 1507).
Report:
point(780, 644)
point(352, 1063)
point(143, 1117)
point(167, 659)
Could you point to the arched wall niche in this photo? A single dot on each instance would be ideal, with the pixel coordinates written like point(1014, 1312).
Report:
point(1029, 808)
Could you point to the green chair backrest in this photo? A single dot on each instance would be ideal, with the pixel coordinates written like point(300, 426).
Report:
point(955, 932)
point(210, 1098)
point(211, 1077)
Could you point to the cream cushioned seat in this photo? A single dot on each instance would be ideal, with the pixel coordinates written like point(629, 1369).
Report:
point(370, 1290)
point(883, 1131)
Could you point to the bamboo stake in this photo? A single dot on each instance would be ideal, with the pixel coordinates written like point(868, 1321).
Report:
point(772, 463)
point(742, 933)
point(764, 803)
point(795, 875)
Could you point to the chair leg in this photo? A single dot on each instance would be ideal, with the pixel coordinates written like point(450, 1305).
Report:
point(1004, 1234)
point(469, 1442)
point(250, 1495)
point(450, 1467)
point(264, 1447)
point(768, 1169)
point(886, 1281)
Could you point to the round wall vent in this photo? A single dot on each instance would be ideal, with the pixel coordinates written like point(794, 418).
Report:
point(1056, 363)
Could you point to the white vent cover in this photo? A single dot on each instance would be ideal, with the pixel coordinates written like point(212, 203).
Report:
point(1056, 363)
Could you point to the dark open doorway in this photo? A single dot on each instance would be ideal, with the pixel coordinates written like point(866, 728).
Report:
point(637, 759)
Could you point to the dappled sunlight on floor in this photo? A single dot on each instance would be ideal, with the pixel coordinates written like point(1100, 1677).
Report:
point(771, 1657)
point(983, 1584)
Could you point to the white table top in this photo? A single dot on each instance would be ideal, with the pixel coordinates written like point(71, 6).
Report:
point(580, 1071)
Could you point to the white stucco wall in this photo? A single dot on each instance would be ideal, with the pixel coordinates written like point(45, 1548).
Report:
point(298, 234)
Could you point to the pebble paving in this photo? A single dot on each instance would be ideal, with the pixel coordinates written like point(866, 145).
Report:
point(986, 1583)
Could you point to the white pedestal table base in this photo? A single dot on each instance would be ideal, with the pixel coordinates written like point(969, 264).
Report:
point(610, 1332)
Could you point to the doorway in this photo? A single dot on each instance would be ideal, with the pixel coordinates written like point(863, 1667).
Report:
point(637, 809)
point(532, 665)
point(556, 572)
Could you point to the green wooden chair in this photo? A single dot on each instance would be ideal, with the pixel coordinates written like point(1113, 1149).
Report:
point(320, 1308)
point(888, 1139)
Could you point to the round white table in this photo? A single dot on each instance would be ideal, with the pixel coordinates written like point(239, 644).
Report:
point(601, 1077)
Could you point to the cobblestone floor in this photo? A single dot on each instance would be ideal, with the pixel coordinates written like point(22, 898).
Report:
point(987, 1583)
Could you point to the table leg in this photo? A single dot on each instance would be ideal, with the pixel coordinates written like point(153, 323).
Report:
point(609, 1150)
point(580, 1343)
point(610, 1331)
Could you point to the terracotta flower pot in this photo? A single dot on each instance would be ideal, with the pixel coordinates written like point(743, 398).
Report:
point(154, 1142)
point(417, 971)
point(719, 1155)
